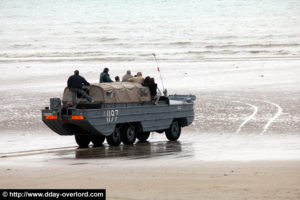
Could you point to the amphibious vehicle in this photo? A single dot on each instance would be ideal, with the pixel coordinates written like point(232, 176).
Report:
point(121, 112)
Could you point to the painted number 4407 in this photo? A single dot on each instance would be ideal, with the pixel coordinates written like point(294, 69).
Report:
point(111, 115)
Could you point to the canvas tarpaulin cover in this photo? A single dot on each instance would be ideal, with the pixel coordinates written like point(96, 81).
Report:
point(117, 92)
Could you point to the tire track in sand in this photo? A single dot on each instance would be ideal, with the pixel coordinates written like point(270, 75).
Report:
point(279, 111)
point(255, 109)
point(270, 121)
point(38, 151)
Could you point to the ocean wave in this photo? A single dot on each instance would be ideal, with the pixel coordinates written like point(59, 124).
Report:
point(105, 39)
point(213, 52)
point(67, 59)
point(251, 37)
point(180, 43)
point(232, 52)
point(147, 59)
point(17, 46)
point(222, 46)
point(144, 53)
point(52, 54)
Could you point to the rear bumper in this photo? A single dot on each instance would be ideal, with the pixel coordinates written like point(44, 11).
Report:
point(71, 123)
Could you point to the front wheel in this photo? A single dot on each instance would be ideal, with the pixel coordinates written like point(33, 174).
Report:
point(97, 140)
point(143, 136)
point(129, 135)
point(173, 133)
point(115, 138)
point(83, 140)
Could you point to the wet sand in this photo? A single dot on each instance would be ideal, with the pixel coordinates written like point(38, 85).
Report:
point(243, 144)
point(199, 166)
point(240, 146)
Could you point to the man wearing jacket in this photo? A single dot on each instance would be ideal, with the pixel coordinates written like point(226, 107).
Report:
point(104, 76)
point(75, 85)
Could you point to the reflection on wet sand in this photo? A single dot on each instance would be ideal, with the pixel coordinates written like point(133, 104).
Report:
point(137, 151)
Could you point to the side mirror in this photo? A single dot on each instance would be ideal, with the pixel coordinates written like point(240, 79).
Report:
point(189, 100)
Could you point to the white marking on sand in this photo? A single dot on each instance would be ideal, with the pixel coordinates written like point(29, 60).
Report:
point(279, 111)
point(255, 109)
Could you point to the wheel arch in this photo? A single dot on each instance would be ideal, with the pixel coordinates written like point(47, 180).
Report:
point(181, 121)
point(138, 126)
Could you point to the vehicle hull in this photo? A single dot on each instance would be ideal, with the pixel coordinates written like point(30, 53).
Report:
point(104, 120)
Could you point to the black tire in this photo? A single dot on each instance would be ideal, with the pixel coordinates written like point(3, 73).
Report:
point(83, 140)
point(115, 138)
point(173, 133)
point(143, 136)
point(128, 135)
point(97, 140)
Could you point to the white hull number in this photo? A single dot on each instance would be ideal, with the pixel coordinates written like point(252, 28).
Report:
point(111, 115)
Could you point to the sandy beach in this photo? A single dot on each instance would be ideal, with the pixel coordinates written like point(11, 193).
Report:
point(240, 59)
point(199, 180)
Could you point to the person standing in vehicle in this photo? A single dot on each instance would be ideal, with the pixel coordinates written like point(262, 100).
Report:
point(149, 82)
point(75, 83)
point(127, 76)
point(104, 76)
point(153, 90)
point(146, 81)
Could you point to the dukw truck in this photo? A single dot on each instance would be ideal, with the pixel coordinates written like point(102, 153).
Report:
point(121, 113)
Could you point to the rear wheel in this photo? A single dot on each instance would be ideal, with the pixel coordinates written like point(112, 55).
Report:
point(115, 138)
point(143, 136)
point(128, 135)
point(173, 133)
point(83, 140)
point(98, 140)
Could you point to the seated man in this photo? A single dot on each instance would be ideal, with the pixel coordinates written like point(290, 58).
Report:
point(117, 78)
point(127, 76)
point(139, 78)
point(104, 76)
point(75, 85)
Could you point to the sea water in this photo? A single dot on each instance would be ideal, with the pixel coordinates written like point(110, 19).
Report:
point(129, 31)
